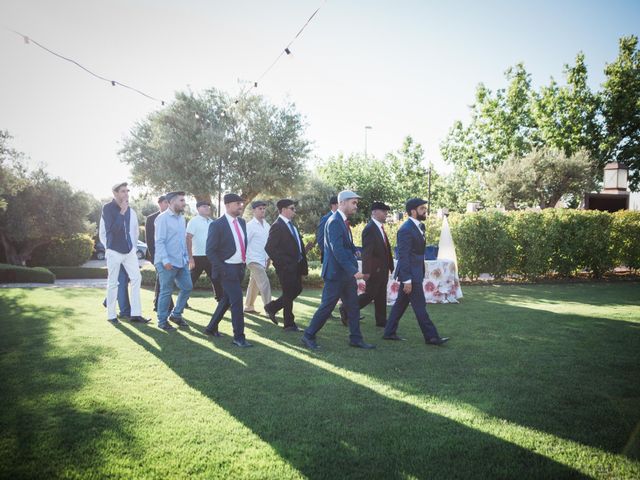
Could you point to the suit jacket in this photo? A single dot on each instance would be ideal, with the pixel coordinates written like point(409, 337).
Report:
point(339, 261)
point(221, 244)
point(283, 249)
point(411, 245)
point(376, 253)
point(320, 230)
point(150, 233)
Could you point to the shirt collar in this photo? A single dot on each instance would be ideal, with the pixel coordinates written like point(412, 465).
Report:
point(230, 218)
point(284, 219)
point(376, 222)
point(344, 217)
point(417, 223)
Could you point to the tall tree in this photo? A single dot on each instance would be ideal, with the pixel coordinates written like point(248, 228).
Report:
point(541, 178)
point(257, 148)
point(621, 110)
point(12, 169)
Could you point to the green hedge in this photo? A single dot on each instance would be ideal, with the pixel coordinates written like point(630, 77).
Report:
point(68, 252)
point(78, 272)
point(19, 274)
point(542, 244)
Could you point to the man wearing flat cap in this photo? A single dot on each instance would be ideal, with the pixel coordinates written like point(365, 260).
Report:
point(257, 258)
point(149, 235)
point(377, 262)
point(197, 233)
point(289, 256)
point(172, 261)
point(340, 273)
point(333, 205)
point(410, 273)
point(227, 252)
point(121, 242)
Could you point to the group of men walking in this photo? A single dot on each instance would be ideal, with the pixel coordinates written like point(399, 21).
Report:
point(225, 247)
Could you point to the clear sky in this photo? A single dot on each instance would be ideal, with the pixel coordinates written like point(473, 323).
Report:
point(402, 67)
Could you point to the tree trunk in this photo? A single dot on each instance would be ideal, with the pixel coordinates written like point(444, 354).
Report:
point(20, 256)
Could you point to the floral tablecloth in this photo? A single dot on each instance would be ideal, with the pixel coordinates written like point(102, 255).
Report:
point(440, 284)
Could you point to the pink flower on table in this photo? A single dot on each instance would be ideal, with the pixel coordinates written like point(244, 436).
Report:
point(436, 273)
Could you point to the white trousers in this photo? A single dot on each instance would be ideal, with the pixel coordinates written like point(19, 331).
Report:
point(130, 263)
point(258, 281)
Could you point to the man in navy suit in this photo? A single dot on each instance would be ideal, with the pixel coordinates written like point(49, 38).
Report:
point(377, 262)
point(289, 256)
point(227, 252)
point(340, 272)
point(410, 273)
point(333, 204)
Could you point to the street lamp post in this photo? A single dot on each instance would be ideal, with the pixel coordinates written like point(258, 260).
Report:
point(367, 127)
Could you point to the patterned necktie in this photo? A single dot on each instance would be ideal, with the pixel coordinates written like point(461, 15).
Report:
point(243, 250)
point(384, 235)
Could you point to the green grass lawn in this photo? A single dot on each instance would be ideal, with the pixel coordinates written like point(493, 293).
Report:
point(537, 382)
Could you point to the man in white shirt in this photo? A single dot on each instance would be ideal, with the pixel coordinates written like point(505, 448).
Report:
point(197, 232)
point(257, 258)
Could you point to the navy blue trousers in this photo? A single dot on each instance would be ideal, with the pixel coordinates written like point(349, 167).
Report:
point(230, 277)
point(419, 305)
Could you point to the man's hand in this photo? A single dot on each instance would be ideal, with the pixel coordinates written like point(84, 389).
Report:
point(167, 266)
point(123, 207)
point(192, 263)
point(358, 276)
point(407, 288)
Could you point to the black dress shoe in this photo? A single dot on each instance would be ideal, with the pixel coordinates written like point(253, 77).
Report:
point(178, 321)
point(361, 344)
point(343, 316)
point(139, 319)
point(113, 321)
point(394, 337)
point(292, 328)
point(213, 333)
point(437, 341)
point(166, 327)
point(309, 343)
point(242, 343)
point(271, 314)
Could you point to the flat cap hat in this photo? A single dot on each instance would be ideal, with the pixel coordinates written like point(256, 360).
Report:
point(414, 203)
point(258, 203)
point(347, 195)
point(117, 186)
point(284, 203)
point(380, 206)
point(232, 197)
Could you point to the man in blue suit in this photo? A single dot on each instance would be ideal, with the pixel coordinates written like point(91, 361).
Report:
point(410, 272)
point(340, 272)
point(227, 252)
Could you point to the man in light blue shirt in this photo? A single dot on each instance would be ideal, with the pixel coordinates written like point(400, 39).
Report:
point(172, 261)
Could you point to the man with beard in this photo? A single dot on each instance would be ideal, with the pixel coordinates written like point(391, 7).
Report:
point(340, 272)
point(172, 261)
point(410, 273)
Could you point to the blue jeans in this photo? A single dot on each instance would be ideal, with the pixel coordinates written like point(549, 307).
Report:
point(123, 294)
point(179, 276)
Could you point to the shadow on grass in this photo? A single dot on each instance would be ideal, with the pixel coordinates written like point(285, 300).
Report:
point(318, 422)
point(43, 434)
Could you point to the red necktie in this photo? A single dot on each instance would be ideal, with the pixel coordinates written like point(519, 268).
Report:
point(242, 249)
point(346, 222)
point(384, 234)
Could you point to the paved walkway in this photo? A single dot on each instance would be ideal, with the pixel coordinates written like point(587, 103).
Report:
point(77, 283)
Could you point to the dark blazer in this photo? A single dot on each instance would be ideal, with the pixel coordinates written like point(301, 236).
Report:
point(320, 231)
point(376, 253)
point(221, 244)
point(283, 250)
point(150, 233)
point(411, 245)
point(339, 261)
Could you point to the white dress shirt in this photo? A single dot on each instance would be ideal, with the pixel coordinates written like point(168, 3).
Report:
point(236, 257)
point(257, 235)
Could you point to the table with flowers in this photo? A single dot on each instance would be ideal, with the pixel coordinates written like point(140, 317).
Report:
point(440, 284)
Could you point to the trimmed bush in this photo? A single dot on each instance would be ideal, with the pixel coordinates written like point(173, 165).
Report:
point(65, 252)
point(63, 273)
point(625, 239)
point(19, 274)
